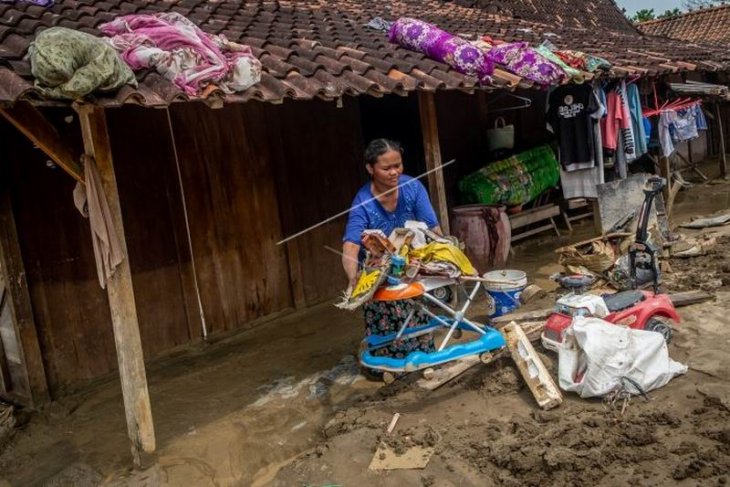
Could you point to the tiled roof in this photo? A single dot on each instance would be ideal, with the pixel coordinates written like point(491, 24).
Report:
point(320, 48)
point(706, 26)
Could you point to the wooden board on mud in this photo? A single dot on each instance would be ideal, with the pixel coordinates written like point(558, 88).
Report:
point(534, 372)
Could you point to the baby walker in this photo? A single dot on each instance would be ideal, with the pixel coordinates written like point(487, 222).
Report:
point(394, 284)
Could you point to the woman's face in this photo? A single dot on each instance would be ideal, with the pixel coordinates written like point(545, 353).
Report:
point(387, 169)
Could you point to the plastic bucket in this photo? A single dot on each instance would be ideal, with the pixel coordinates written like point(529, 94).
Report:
point(505, 287)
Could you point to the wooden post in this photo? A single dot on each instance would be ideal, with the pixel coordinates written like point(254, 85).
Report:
point(432, 150)
point(21, 313)
point(121, 296)
point(665, 170)
point(723, 160)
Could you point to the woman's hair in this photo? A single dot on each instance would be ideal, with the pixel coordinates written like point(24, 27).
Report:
point(378, 147)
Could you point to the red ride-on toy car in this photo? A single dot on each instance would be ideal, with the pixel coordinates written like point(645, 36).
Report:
point(641, 310)
point(636, 309)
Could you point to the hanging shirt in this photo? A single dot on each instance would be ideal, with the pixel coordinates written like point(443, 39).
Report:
point(582, 183)
point(666, 121)
point(685, 125)
point(700, 118)
point(637, 123)
point(368, 214)
point(627, 133)
point(617, 118)
point(569, 112)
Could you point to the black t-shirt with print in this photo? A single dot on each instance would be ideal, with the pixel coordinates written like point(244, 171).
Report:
point(569, 114)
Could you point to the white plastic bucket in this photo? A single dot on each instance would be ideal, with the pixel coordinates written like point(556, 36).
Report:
point(505, 287)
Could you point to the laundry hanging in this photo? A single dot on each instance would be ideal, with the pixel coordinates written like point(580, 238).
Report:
point(183, 53)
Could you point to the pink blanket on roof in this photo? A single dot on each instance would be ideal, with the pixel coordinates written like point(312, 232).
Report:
point(182, 53)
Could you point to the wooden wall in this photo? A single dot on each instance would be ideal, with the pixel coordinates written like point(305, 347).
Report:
point(251, 175)
point(71, 312)
point(319, 168)
point(233, 212)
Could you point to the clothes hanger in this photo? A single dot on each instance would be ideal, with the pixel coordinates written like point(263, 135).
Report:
point(526, 102)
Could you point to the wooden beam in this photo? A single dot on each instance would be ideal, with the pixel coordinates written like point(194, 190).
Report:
point(688, 298)
point(432, 151)
point(127, 339)
point(723, 160)
point(18, 298)
point(534, 372)
point(31, 123)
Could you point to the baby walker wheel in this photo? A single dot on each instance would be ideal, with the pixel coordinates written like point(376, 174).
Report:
point(486, 357)
point(428, 373)
point(388, 378)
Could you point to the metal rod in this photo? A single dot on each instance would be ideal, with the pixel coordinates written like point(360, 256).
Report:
point(405, 323)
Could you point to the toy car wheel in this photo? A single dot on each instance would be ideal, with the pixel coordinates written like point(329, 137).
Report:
point(662, 326)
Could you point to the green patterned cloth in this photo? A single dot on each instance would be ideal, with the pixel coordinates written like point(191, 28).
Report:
point(70, 64)
point(513, 181)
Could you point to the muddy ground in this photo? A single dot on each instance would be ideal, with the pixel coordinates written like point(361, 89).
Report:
point(284, 404)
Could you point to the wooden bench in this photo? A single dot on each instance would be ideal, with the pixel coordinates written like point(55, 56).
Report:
point(576, 204)
point(544, 213)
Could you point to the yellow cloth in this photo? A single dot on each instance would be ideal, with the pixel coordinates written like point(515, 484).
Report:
point(443, 252)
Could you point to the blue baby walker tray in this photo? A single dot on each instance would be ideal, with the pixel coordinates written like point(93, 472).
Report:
point(417, 292)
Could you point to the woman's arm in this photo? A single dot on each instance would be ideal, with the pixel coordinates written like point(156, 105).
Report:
point(349, 261)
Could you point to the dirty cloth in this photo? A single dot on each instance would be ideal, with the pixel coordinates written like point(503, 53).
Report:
point(524, 61)
point(546, 50)
point(442, 46)
point(380, 24)
point(182, 53)
point(595, 355)
point(42, 3)
point(91, 201)
point(582, 60)
point(444, 253)
point(69, 64)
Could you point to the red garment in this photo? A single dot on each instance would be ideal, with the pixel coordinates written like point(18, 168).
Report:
point(617, 118)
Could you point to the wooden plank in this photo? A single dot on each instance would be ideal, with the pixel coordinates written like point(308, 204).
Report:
point(534, 372)
point(432, 151)
point(31, 122)
point(723, 160)
point(132, 373)
point(540, 314)
point(450, 371)
point(673, 192)
point(21, 313)
point(690, 297)
point(533, 216)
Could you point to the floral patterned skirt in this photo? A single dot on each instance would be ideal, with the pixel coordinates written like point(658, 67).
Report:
point(386, 317)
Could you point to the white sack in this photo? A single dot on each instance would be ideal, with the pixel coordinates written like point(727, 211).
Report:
point(595, 355)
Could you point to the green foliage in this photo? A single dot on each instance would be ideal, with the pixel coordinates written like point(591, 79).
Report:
point(643, 15)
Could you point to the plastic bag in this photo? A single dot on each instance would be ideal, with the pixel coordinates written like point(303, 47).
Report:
point(595, 355)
